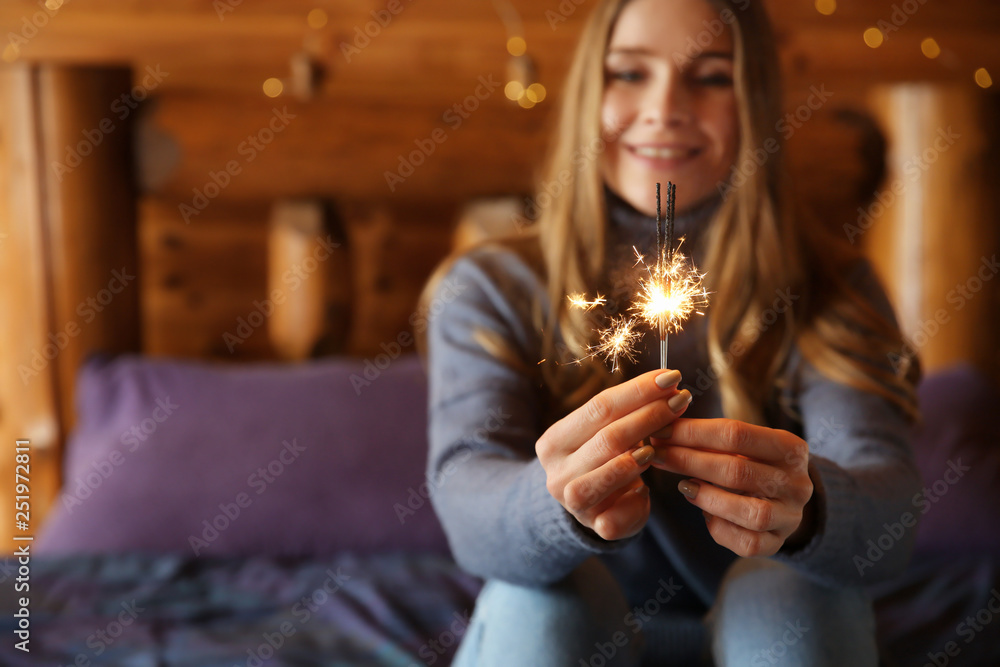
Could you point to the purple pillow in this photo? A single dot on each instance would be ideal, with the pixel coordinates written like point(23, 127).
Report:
point(222, 460)
point(958, 453)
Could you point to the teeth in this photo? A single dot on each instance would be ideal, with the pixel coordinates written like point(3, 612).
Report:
point(661, 153)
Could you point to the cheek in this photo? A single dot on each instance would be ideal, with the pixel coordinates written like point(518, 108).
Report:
point(722, 124)
point(615, 115)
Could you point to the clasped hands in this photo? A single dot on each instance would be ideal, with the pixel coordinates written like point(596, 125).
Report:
point(751, 482)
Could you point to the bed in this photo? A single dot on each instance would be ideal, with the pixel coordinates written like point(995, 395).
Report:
point(278, 514)
point(244, 514)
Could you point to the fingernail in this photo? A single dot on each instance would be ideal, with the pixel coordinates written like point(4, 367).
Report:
point(689, 488)
point(678, 401)
point(668, 379)
point(643, 455)
point(643, 490)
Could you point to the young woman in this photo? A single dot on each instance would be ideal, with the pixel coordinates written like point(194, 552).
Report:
point(611, 530)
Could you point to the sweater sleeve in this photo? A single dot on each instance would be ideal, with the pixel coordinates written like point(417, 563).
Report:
point(486, 483)
point(864, 474)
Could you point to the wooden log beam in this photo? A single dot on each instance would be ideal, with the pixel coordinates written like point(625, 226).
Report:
point(29, 399)
point(263, 149)
point(931, 230)
point(89, 206)
point(413, 53)
point(68, 253)
point(300, 253)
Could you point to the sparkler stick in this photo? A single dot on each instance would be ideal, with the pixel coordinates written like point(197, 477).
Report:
point(659, 270)
point(664, 258)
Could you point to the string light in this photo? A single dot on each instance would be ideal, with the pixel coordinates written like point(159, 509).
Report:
point(522, 79)
point(317, 18)
point(983, 78)
point(929, 47)
point(513, 90)
point(826, 7)
point(516, 46)
point(273, 87)
point(535, 92)
point(874, 37)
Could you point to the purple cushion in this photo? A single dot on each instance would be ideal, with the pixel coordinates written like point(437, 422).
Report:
point(958, 452)
point(221, 460)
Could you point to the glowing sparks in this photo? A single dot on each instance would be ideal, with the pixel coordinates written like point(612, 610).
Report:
point(617, 342)
point(669, 293)
point(580, 301)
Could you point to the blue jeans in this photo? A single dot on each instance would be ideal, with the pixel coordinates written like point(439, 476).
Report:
point(766, 614)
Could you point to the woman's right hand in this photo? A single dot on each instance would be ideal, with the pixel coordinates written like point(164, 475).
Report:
point(594, 455)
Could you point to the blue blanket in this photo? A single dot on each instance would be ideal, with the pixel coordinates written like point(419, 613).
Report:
point(159, 611)
point(392, 610)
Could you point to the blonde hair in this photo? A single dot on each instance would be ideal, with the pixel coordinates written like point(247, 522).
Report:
point(835, 327)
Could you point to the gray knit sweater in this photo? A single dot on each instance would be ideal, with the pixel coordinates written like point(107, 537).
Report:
point(488, 487)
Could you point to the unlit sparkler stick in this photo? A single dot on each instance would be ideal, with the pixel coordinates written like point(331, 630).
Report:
point(659, 273)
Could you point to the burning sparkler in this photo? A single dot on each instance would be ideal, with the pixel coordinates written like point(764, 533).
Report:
point(666, 297)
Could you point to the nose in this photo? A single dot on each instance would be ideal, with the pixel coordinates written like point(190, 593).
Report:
point(668, 102)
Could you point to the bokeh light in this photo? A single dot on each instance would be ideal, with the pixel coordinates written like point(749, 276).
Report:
point(273, 87)
point(983, 78)
point(317, 18)
point(513, 90)
point(826, 7)
point(535, 92)
point(874, 37)
point(516, 46)
point(929, 47)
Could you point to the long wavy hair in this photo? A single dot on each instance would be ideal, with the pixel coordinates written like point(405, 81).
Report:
point(834, 326)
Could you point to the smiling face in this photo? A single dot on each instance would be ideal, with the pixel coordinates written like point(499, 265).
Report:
point(669, 111)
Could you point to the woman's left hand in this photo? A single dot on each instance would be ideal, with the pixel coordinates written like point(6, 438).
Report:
point(751, 482)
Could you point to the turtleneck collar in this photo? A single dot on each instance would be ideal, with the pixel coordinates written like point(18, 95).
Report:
point(629, 227)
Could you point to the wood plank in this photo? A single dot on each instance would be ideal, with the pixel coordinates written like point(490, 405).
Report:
point(366, 152)
point(414, 54)
point(200, 280)
point(394, 249)
point(495, 150)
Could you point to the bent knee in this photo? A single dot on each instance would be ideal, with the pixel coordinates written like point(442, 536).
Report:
point(567, 622)
point(767, 610)
point(752, 581)
point(589, 593)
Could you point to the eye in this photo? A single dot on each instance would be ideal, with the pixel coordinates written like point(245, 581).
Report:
point(715, 80)
point(629, 76)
